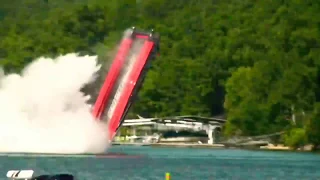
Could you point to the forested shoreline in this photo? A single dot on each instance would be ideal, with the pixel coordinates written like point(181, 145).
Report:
point(255, 61)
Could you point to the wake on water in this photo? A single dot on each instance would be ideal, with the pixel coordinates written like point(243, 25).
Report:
point(42, 110)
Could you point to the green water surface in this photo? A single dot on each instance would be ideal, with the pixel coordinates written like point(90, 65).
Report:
point(181, 163)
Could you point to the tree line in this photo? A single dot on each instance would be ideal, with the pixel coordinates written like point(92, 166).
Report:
point(255, 61)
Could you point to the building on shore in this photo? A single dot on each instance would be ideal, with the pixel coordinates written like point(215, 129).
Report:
point(191, 129)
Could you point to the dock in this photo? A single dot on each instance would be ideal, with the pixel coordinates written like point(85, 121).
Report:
point(130, 144)
point(189, 145)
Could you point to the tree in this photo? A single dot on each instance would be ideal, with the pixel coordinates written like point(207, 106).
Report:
point(256, 62)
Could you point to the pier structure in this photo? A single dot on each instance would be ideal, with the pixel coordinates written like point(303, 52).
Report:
point(212, 126)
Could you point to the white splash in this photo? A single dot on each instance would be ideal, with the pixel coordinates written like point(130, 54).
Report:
point(43, 110)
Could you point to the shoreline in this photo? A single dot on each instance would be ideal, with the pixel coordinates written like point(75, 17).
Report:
point(211, 146)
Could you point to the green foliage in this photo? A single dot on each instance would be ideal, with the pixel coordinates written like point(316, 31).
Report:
point(313, 127)
point(295, 138)
point(255, 61)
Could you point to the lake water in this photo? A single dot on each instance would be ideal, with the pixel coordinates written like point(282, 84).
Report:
point(181, 163)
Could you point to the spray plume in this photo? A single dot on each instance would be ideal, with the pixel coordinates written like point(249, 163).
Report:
point(43, 110)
